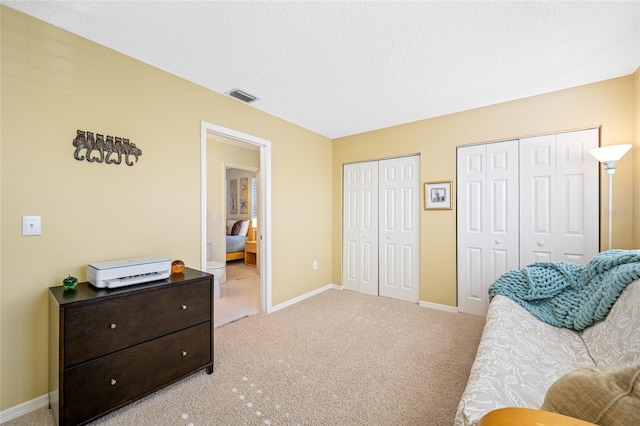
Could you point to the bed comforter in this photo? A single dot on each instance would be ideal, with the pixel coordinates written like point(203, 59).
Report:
point(235, 243)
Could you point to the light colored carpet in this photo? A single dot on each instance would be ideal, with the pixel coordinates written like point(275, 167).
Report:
point(338, 358)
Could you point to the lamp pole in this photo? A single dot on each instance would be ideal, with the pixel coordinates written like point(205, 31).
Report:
point(610, 171)
point(609, 155)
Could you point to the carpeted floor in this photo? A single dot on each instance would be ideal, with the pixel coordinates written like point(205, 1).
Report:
point(338, 358)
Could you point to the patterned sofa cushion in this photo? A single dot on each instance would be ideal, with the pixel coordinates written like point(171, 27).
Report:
point(518, 359)
point(616, 339)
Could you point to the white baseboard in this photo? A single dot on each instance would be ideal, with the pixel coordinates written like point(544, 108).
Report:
point(24, 408)
point(439, 307)
point(304, 296)
point(446, 308)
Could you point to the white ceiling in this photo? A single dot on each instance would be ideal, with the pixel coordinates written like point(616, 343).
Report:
point(342, 67)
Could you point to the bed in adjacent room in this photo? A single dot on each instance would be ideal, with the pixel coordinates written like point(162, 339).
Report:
point(239, 231)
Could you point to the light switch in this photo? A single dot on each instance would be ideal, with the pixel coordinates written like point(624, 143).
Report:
point(31, 225)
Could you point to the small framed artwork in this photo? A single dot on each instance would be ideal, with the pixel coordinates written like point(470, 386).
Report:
point(244, 195)
point(437, 195)
point(233, 196)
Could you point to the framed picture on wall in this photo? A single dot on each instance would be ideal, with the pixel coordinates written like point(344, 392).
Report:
point(233, 196)
point(437, 195)
point(244, 195)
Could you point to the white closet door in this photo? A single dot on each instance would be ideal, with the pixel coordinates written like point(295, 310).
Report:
point(399, 211)
point(559, 198)
point(487, 220)
point(538, 190)
point(360, 228)
point(521, 202)
point(350, 227)
point(503, 242)
point(578, 204)
point(471, 188)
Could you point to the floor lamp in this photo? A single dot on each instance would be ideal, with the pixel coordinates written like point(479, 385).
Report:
point(609, 155)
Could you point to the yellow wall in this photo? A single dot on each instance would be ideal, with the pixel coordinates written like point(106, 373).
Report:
point(608, 104)
point(53, 83)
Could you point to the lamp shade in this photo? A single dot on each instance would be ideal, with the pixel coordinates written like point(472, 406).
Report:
point(611, 153)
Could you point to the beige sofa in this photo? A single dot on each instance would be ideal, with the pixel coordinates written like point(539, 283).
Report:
point(519, 357)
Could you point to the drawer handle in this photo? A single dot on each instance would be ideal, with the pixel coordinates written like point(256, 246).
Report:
point(184, 353)
point(113, 382)
point(184, 307)
point(113, 326)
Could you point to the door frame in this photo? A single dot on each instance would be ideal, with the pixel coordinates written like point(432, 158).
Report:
point(264, 215)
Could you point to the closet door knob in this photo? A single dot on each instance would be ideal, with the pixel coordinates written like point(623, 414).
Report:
point(540, 243)
point(498, 241)
point(388, 237)
point(184, 353)
point(113, 382)
point(184, 307)
point(113, 325)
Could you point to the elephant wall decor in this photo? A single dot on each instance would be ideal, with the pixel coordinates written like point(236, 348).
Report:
point(109, 150)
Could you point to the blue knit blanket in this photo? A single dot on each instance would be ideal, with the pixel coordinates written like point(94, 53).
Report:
point(569, 295)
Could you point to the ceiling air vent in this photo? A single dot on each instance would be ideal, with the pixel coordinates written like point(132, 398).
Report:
point(243, 96)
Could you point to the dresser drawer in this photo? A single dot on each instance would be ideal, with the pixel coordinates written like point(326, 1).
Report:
point(96, 329)
point(103, 384)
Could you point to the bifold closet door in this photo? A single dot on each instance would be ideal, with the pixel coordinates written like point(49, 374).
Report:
point(488, 222)
point(559, 198)
point(381, 228)
point(521, 202)
point(360, 227)
point(399, 229)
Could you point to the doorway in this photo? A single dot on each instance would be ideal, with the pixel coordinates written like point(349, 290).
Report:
point(240, 285)
point(217, 217)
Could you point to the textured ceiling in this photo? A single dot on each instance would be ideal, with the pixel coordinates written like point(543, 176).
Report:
point(341, 68)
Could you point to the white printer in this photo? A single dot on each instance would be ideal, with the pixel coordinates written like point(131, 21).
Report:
point(119, 273)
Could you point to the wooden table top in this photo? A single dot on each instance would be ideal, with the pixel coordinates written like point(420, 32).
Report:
point(528, 417)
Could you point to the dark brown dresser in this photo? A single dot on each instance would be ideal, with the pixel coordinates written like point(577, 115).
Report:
point(109, 347)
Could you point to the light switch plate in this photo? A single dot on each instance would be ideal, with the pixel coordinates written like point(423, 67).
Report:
point(31, 225)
